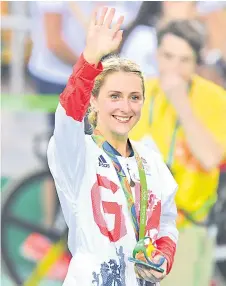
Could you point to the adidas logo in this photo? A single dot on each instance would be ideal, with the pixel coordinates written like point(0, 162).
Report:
point(103, 162)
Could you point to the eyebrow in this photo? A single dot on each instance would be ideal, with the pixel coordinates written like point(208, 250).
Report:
point(169, 53)
point(116, 91)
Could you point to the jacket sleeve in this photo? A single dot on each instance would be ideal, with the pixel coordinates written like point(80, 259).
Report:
point(66, 150)
point(168, 234)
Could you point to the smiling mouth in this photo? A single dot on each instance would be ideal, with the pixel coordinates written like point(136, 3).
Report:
point(122, 119)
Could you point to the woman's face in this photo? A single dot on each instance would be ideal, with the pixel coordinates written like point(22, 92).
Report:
point(119, 103)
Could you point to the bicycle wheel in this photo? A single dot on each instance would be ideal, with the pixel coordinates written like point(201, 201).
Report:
point(25, 240)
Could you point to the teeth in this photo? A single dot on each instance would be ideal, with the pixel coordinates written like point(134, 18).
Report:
point(122, 119)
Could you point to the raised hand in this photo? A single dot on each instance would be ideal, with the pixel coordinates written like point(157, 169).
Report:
point(174, 86)
point(101, 38)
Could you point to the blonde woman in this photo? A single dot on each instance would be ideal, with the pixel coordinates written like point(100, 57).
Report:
point(113, 192)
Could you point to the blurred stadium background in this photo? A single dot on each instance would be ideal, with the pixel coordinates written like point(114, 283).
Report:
point(21, 122)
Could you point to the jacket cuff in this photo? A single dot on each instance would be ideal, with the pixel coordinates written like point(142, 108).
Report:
point(86, 70)
point(168, 247)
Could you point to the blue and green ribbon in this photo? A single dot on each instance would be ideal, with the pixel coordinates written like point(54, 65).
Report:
point(110, 151)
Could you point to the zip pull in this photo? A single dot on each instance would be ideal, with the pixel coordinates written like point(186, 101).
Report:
point(132, 183)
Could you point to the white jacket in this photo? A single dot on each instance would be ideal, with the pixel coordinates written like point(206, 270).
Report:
point(101, 235)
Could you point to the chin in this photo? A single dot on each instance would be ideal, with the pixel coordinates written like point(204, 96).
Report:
point(121, 131)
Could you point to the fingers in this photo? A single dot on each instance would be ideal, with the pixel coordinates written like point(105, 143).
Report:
point(100, 21)
point(107, 23)
point(93, 18)
point(118, 24)
point(146, 275)
point(149, 274)
point(109, 18)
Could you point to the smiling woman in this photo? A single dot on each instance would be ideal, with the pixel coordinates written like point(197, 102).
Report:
point(112, 65)
point(114, 193)
point(117, 110)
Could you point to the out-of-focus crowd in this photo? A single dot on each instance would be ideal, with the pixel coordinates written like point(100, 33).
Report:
point(63, 34)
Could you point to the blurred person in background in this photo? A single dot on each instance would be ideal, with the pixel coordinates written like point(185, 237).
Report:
point(140, 39)
point(213, 15)
point(214, 65)
point(58, 35)
point(185, 115)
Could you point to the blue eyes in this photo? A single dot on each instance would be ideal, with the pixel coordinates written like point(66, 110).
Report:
point(114, 96)
point(117, 96)
point(135, 97)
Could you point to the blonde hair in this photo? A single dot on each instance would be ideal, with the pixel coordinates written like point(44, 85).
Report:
point(111, 65)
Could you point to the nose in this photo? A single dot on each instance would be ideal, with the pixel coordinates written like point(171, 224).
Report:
point(125, 105)
point(175, 66)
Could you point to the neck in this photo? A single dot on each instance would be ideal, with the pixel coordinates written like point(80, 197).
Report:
point(119, 142)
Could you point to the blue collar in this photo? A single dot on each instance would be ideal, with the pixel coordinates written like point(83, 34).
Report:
point(116, 153)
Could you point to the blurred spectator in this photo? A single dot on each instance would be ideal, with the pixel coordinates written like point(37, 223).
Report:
point(186, 114)
point(214, 66)
point(213, 15)
point(58, 39)
point(140, 42)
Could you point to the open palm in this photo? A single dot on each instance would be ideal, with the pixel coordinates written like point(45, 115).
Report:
point(103, 39)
